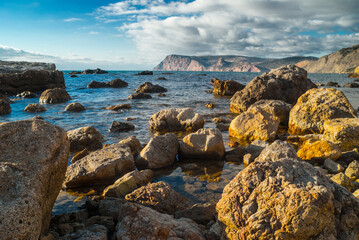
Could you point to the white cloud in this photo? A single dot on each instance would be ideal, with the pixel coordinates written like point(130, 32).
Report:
point(72, 19)
point(270, 28)
point(93, 33)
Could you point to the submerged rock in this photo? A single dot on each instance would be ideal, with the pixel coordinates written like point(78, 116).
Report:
point(32, 169)
point(140, 96)
point(332, 84)
point(315, 106)
point(119, 107)
point(148, 87)
point(145, 73)
point(351, 85)
point(35, 107)
point(5, 107)
point(75, 107)
point(85, 137)
point(121, 126)
point(226, 87)
point(55, 95)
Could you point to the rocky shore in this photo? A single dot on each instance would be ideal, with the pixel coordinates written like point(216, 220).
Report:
point(297, 142)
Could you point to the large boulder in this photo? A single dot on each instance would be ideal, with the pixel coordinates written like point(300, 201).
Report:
point(85, 137)
point(148, 87)
point(117, 83)
point(33, 163)
point(54, 95)
point(203, 144)
point(254, 124)
point(140, 222)
point(161, 151)
point(281, 197)
point(319, 151)
point(226, 87)
point(317, 105)
point(5, 107)
point(176, 119)
point(286, 83)
point(100, 167)
point(31, 80)
point(342, 131)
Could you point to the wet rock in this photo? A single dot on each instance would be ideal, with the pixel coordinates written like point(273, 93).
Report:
point(221, 120)
point(256, 147)
point(35, 107)
point(235, 155)
point(148, 87)
point(145, 73)
point(352, 170)
point(332, 166)
point(316, 106)
point(159, 196)
point(203, 144)
point(133, 143)
point(119, 107)
point(93, 232)
point(255, 124)
point(83, 153)
point(117, 83)
point(96, 84)
point(85, 137)
point(54, 95)
point(176, 119)
point(94, 71)
point(26, 94)
point(128, 183)
point(121, 126)
point(161, 95)
point(75, 107)
point(140, 96)
point(5, 107)
point(222, 127)
point(226, 87)
point(342, 131)
point(162, 78)
point(100, 167)
point(161, 151)
point(351, 85)
point(319, 151)
point(73, 76)
point(32, 167)
point(286, 83)
point(200, 213)
point(343, 180)
point(209, 105)
point(332, 84)
point(261, 202)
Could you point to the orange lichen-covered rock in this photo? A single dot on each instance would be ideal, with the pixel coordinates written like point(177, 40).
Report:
point(319, 150)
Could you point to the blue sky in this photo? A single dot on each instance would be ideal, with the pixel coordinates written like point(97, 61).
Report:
point(138, 34)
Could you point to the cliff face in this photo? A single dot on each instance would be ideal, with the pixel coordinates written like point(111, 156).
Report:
point(19, 67)
point(223, 63)
point(342, 61)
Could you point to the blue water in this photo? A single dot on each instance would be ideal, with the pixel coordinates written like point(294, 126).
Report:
point(199, 181)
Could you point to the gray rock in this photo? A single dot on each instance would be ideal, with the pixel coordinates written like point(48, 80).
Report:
point(5, 107)
point(140, 96)
point(35, 107)
point(148, 87)
point(54, 95)
point(332, 166)
point(200, 213)
point(121, 126)
point(84, 137)
point(352, 170)
point(75, 107)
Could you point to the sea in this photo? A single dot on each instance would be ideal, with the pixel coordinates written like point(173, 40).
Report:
point(200, 181)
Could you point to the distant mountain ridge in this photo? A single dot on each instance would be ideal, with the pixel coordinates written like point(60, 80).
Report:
point(225, 63)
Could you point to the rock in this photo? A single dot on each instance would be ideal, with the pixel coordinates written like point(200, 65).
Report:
point(235, 155)
point(121, 126)
point(31, 80)
point(342, 180)
point(352, 170)
point(119, 107)
point(356, 193)
point(111, 207)
point(161, 95)
point(74, 72)
point(332, 84)
point(64, 228)
point(316, 106)
point(222, 127)
point(96, 84)
point(332, 166)
point(159, 196)
point(286, 83)
point(83, 153)
point(162, 78)
point(128, 183)
point(200, 213)
point(247, 159)
point(54, 95)
point(351, 85)
point(133, 143)
point(261, 202)
point(161, 151)
point(75, 107)
point(117, 83)
point(100, 167)
point(35, 107)
point(256, 147)
point(85, 137)
point(255, 124)
point(355, 74)
point(145, 73)
point(203, 144)
point(19, 67)
point(94, 71)
point(221, 120)
point(73, 76)
point(319, 151)
point(26, 94)
point(278, 108)
point(342, 131)
point(106, 221)
point(93, 232)
point(140, 96)
point(140, 222)
point(209, 105)
point(148, 87)
point(225, 87)
point(176, 119)
point(33, 162)
point(349, 156)
point(5, 107)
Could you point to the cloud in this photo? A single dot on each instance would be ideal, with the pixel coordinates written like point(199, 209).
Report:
point(264, 28)
point(93, 33)
point(72, 19)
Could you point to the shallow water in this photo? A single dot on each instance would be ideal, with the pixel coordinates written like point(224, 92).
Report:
point(199, 181)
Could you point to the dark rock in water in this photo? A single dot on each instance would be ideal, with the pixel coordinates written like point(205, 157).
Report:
point(140, 96)
point(35, 107)
point(145, 73)
point(148, 87)
point(351, 85)
point(5, 107)
point(32, 167)
point(74, 72)
point(94, 71)
point(85, 137)
point(55, 95)
point(332, 84)
point(73, 76)
point(26, 94)
point(161, 95)
point(161, 78)
point(117, 83)
point(121, 126)
point(75, 107)
point(168, 73)
point(119, 107)
point(31, 80)
point(96, 84)
point(225, 87)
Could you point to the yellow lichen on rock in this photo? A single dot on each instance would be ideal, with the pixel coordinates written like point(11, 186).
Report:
point(319, 150)
point(355, 74)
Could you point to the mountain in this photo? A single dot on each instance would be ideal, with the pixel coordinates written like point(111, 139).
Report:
point(225, 63)
point(343, 61)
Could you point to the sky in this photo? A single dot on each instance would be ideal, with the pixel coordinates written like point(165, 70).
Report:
point(138, 34)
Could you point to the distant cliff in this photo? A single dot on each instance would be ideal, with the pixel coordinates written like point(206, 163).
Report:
point(224, 63)
point(343, 61)
point(19, 67)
